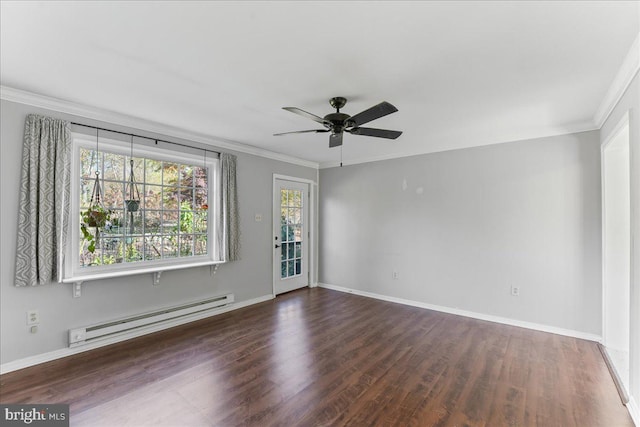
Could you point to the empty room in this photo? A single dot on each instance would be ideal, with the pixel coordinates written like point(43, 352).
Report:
point(320, 213)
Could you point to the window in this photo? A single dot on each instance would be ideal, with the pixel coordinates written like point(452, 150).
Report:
point(173, 225)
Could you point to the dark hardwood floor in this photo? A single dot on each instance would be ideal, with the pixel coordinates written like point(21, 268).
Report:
point(317, 357)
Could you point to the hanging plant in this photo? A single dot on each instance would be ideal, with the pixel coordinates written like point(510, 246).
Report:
point(96, 216)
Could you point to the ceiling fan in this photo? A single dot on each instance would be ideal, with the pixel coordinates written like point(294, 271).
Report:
point(337, 123)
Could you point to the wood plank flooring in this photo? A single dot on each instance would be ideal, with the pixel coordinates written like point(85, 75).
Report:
point(317, 357)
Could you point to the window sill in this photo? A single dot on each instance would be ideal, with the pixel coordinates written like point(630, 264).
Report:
point(156, 270)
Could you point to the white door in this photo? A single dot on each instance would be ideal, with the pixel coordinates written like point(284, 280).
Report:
point(290, 235)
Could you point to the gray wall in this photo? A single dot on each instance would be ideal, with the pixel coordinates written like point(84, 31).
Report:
point(460, 227)
point(109, 299)
point(630, 102)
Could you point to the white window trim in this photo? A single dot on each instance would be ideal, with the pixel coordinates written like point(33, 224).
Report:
point(73, 273)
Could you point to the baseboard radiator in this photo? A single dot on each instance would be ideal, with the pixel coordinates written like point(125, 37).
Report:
point(199, 309)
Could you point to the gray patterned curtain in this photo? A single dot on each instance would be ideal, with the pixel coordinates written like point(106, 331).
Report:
point(229, 241)
point(44, 200)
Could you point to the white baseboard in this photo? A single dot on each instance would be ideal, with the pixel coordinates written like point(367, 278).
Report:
point(472, 314)
point(634, 411)
point(64, 352)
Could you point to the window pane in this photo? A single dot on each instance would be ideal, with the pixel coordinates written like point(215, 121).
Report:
point(133, 223)
point(200, 174)
point(117, 222)
point(169, 198)
point(87, 163)
point(153, 171)
point(200, 221)
point(112, 249)
point(152, 197)
point(284, 250)
point(153, 248)
point(170, 222)
point(86, 187)
point(170, 246)
point(186, 176)
point(112, 196)
point(186, 198)
point(186, 245)
point(200, 199)
point(133, 249)
point(298, 249)
point(201, 245)
point(152, 222)
point(113, 167)
point(298, 266)
point(283, 269)
point(186, 219)
point(170, 173)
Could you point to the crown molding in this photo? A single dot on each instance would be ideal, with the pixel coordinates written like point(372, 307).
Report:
point(620, 83)
point(94, 113)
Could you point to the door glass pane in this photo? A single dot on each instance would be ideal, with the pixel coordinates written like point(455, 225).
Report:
point(291, 229)
point(290, 268)
point(291, 249)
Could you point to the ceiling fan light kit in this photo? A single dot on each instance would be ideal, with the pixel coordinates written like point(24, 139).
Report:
point(337, 123)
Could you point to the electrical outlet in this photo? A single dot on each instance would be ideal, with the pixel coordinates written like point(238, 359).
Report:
point(396, 275)
point(33, 317)
point(515, 291)
point(258, 217)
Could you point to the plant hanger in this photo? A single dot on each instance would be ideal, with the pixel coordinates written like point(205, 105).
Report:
point(132, 203)
point(96, 215)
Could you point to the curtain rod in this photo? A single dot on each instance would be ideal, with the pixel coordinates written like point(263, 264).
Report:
point(145, 137)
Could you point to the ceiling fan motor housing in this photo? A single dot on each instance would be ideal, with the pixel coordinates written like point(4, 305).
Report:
point(336, 122)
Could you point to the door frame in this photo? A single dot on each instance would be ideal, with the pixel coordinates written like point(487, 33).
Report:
point(312, 228)
point(623, 123)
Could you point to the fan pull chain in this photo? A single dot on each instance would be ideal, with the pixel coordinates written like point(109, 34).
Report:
point(341, 156)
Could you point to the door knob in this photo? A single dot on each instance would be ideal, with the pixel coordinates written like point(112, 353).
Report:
point(277, 246)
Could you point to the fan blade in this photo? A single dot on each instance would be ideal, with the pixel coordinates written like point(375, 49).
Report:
point(373, 113)
point(305, 114)
point(302, 131)
point(380, 133)
point(335, 140)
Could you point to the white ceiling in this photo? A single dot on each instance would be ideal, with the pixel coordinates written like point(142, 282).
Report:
point(460, 73)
